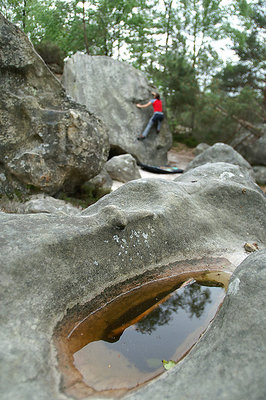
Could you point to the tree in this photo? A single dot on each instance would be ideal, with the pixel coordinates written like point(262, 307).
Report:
point(191, 26)
point(188, 59)
point(244, 80)
point(140, 39)
point(249, 45)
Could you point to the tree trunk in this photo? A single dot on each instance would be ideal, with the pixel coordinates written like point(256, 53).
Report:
point(24, 15)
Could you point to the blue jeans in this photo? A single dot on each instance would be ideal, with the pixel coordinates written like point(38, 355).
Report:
point(156, 118)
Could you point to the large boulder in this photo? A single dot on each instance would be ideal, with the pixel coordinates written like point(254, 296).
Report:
point(53, 263)
point(220, 152)
point(111, 89)
point(47, 141)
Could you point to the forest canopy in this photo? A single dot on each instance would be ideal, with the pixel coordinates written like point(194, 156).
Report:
point(180, 45)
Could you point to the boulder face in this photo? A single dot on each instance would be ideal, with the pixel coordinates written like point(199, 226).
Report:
point(220, 152)
point(111, 89)
point(55, 263)
point(47, 141)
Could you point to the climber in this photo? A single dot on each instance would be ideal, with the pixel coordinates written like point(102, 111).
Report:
point(157, 117)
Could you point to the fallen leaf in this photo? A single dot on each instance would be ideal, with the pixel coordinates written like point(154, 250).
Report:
point(168, 364)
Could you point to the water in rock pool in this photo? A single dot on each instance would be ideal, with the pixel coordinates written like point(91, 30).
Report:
point(122, 345)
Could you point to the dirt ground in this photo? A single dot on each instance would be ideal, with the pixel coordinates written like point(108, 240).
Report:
point(179, 157)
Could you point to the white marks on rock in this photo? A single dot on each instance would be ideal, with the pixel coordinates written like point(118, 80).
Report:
point(137, 240)
point(116, 238)
point(227, 175)
point(234, 287)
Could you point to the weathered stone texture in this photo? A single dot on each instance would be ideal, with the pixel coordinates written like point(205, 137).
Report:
point(51, 263)
point(46, 140)
point(228, 363)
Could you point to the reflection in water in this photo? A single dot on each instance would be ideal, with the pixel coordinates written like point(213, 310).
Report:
point(131, 346)
point(192, 300)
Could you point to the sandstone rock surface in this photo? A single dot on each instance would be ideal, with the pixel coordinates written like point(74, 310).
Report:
point(220, 152)
point(47, 204)
point(47, 141)
point(101, 181)
point(111, 89)
point(123, 168)
point(200, 148)
point(229, 360)
point(51, 263)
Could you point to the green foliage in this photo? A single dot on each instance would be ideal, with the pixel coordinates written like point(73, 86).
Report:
point(249, 45)
point(50, 53)
point(177, 80)
point(173, 44)
point(234, 77)
point(185, 138)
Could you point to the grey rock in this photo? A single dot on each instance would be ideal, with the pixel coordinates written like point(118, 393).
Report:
point(220, 152)
point(52, 263)
point(48, 141)
point(260, 174)
point(200, 148)
point(229, 360)
point(111, 89)
point(40, 203)
point(220, 173)
point(252, 148)
point(123, 168)
point(101, 181)
point(46, 204)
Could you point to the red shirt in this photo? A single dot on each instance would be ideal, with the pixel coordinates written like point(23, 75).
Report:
point(157, 105)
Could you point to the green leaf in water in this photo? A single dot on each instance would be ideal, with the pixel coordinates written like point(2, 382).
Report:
point(168, 364)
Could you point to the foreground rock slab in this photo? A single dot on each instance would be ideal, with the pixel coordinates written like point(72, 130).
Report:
point(47, 141)
point(52, 263)
point(229, 360)
point(111, 89)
